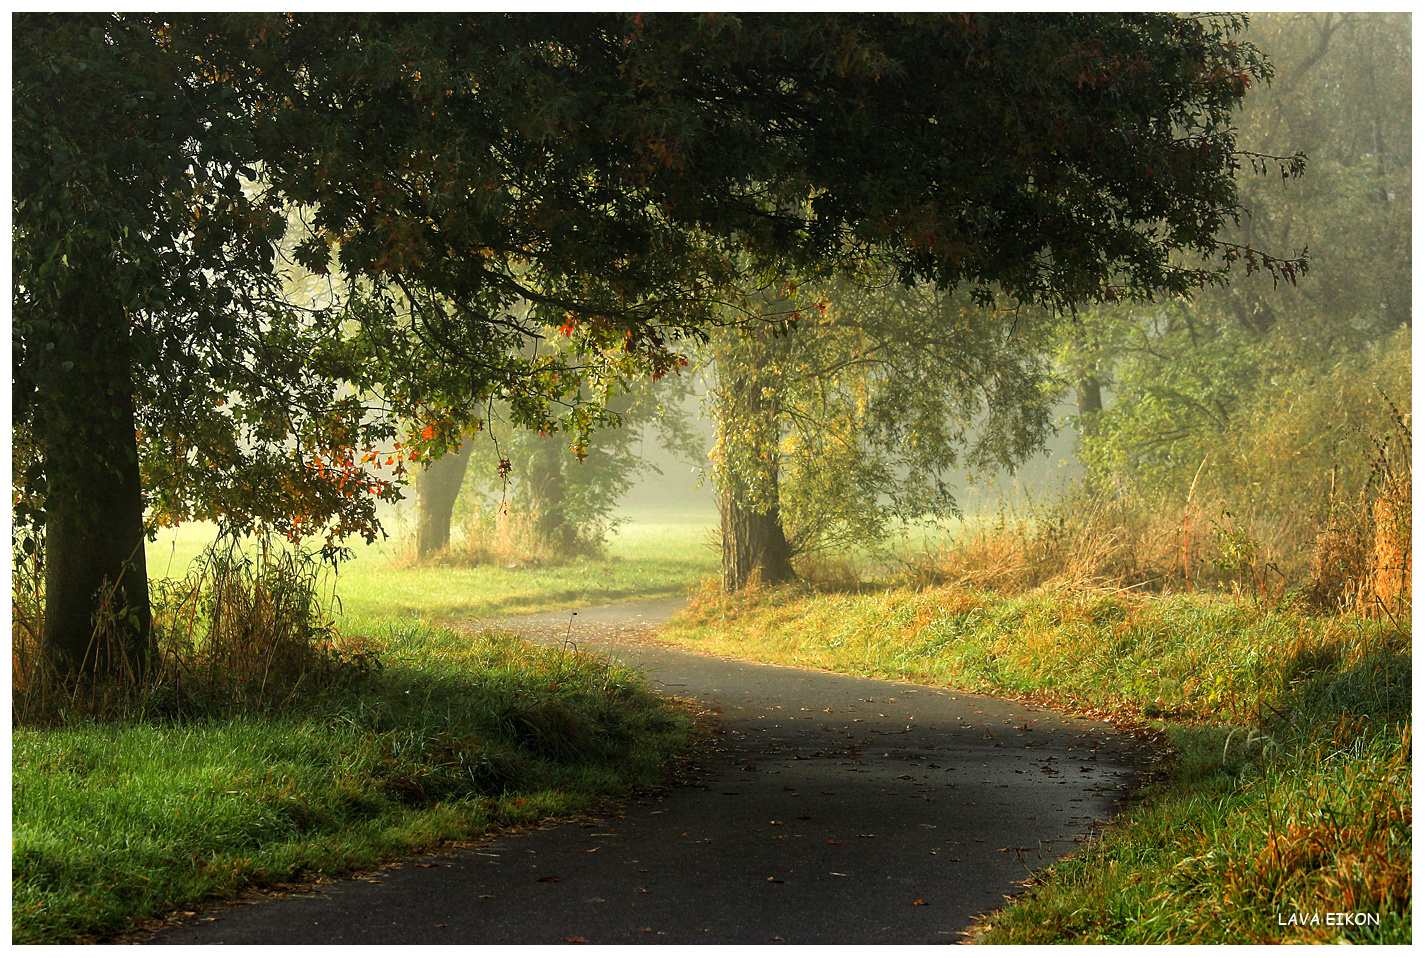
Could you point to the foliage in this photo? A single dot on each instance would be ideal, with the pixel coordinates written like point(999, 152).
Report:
point(1270, 392)
point(568, 486)
point(845, 414)
point(250, 396)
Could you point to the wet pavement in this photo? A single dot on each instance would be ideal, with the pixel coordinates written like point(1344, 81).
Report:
point(822, 808)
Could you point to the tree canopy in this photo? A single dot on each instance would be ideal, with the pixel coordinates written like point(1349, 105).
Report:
point(620, 172)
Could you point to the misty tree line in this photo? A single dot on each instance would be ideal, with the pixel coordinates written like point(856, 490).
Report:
point(844, 404)
point(870, 220)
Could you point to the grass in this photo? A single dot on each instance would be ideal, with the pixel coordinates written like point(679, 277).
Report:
point(660, 553)
point(118, 822)
point(226, 776)
point(1289, 794)
point(1291, 789)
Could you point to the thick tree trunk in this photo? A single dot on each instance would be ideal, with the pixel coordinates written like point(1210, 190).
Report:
point(97, 615)
point(437, 488)
point(755, 549)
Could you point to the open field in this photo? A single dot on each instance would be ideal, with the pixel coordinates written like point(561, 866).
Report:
point(659, 553)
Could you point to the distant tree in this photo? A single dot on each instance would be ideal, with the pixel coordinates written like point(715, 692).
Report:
point(569, 484)
point(841, 410)
point(1197, 384)
point(619, 172)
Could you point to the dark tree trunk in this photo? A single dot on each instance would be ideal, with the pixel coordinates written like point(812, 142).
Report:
point(755, 549)
point(437, 488)
point(1089, 395)
point(97, 615)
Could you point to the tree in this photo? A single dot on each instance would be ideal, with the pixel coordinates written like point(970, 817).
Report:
point(1210, 385)
point(570, 484)
point(835, 418)
point(618, 171)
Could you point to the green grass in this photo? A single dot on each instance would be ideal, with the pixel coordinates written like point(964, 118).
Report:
point(1291, 790)
point(117, 822)
point(661, 553)
point(199, 794)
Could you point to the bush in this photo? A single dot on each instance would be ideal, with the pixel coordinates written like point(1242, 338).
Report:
point(242, 631)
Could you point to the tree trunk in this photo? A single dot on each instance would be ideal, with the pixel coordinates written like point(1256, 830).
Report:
point(755, 549)
point(437, 488)
point(1089, 395)
point(97, 615)
point(755, 545)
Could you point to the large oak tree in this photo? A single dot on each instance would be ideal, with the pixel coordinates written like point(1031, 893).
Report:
point(619, 172)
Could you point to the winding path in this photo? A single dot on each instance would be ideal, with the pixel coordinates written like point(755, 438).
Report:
point(828, 809)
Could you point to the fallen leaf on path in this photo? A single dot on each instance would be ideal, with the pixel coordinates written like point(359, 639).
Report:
point(833, 841)
point(487, 896)
point(576, 940)
point(548, 878)
point(920, 901)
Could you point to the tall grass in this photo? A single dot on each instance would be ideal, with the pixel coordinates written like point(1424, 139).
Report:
point(241, 631)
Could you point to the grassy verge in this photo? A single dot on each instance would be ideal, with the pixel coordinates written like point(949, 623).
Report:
point(117, 822)
point(272, 750)
point(1291, 791)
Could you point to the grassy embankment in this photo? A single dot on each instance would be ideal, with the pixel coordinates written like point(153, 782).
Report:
point(363, 750)
point(1291, 789)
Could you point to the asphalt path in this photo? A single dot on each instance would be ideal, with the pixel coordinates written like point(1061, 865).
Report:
point(823, 809)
